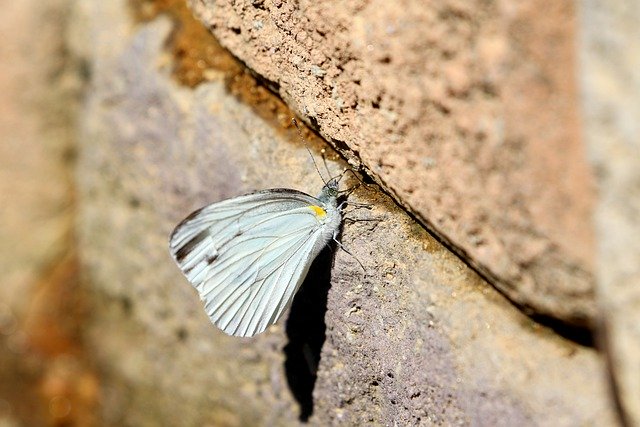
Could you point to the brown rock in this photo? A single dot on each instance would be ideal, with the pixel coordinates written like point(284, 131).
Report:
point(466, 113)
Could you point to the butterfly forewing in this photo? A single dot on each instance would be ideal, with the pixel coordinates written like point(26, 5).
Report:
point(248, 255)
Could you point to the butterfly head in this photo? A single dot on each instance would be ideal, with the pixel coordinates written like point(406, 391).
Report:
point(330, 190)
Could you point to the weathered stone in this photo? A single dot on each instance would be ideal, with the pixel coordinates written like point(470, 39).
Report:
point(416, 338)
point(465, 112)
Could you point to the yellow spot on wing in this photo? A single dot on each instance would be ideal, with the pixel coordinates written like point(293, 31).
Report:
point(318, 210)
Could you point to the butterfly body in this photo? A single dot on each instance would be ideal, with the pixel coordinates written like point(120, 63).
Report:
point(247, 256)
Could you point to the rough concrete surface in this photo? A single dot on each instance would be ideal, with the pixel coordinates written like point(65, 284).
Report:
point(466, 112)
point(418, 338)
point(611, 88)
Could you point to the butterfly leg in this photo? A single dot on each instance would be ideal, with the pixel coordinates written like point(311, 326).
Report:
point(335, 235)
point(352, 220)
point(355, 204)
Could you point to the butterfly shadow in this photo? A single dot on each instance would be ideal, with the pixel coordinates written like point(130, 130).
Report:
point(306, 332)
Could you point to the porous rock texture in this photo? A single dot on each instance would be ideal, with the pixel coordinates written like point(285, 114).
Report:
point(466, 112)
point(414, 338)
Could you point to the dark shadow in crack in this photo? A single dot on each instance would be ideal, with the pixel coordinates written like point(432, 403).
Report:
point(578, 334)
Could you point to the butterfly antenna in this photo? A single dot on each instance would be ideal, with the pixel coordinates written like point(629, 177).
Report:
point(352, 189)
point(326, 167)
point(355, 175)
point(295, 122)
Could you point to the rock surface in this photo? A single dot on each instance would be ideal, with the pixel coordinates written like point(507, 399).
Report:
point(417, 338)
point(467, 113)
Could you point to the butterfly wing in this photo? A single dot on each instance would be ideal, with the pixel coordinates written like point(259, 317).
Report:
point(247, 256)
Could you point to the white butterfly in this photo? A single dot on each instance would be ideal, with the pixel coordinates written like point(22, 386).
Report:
point(247, 256)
